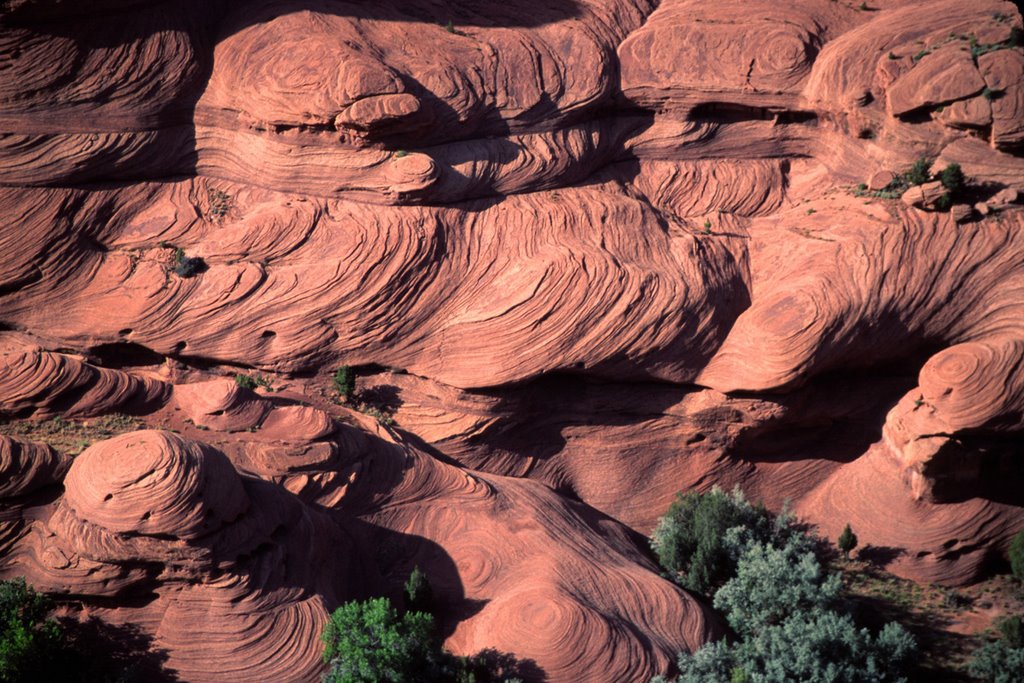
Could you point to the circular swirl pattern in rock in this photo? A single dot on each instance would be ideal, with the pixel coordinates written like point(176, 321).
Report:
point(977, 384)
point(154, 483)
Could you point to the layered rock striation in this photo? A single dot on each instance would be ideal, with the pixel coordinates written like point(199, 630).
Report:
point(581, 256)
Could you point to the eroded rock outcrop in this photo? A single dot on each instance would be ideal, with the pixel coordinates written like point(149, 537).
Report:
point(585, 254)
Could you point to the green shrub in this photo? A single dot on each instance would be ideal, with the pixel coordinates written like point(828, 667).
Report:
point(847, 541)
point(186, 266)
point(1012, 631)
point(690, 540)
point(998, 663)
point(920, 172)
point(952, 178)
point(419, 595)
point(778, 599)
point(251, 382)
point(345, 381)
point(28, 638)
point(1017, 555)
point(810, 647)
point(772, 584)
point(368, 642)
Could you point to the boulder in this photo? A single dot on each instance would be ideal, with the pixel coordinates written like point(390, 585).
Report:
point(961, 213)
point(925, 196)
point(1007, 195)
point(946, 75)
point(879, 180)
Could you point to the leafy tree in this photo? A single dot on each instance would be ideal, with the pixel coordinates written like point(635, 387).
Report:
point(367, 642)
point(690, 540)
point(28, 638)
point(419, 595)
point(772, 584)
point(847, 541)
point(345, 381)
point(817, 646)
point(1017, 555)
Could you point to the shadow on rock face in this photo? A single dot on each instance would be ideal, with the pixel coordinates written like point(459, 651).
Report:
point(100, 651)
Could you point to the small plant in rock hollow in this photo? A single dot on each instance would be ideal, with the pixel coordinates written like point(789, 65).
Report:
point(220, 203)
point(345, 382)
point(990, 94)
point(187, 266)
point(920, 172)
point(952, 178)
point(251, 382)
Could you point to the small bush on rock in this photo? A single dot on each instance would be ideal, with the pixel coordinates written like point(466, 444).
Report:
point(847, 541)
point(187, 266)
point(920, 172)
point(345, 381)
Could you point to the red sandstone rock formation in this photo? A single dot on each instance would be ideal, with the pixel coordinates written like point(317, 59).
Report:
point(587, 253)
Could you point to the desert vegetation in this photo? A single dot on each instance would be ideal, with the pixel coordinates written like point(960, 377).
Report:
point(370, 641)
point(783, 607)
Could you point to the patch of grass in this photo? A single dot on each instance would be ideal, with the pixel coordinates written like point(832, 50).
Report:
point(1015, 39)
point(220, 203)
point(71, 436)
point(383, 417)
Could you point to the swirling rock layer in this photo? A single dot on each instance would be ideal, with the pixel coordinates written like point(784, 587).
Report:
point(581, 256)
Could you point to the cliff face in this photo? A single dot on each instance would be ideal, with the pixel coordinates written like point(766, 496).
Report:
point(585, 253)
